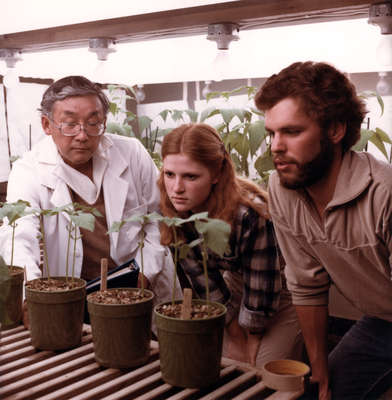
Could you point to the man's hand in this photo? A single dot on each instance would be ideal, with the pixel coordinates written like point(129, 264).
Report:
point(314, 325)
point(321, 390)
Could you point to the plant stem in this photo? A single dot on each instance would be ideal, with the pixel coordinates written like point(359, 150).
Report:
point(13, 243)
point(204, 254)
point(175, 263)
point(74, 254)
point(41, 222)
point(141, 245)
point(68, 244)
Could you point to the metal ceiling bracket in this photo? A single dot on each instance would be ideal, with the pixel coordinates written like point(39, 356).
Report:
point(380, 13)
point(102, 47)
point(10, 56)
point(223, 33)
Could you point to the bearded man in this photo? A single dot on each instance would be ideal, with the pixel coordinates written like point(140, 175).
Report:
point(332, 211)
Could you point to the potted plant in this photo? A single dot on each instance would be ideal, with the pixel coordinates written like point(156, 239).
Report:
point(121, 317)
point(56, 304)
point(12, 277)
point(190, 343)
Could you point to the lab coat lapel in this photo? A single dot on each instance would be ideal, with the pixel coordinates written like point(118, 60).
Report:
point(115, 189)
point(49, 161)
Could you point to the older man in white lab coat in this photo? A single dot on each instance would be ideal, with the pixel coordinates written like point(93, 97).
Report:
point(78, 162)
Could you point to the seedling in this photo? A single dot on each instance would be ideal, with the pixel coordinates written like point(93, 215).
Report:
point(214, 235)
point(80, 217)
point(143, 220)
point(13, 211)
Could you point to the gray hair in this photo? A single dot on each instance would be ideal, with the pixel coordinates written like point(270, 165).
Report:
point(68, 87)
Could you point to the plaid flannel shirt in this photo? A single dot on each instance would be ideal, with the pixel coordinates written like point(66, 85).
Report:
point(255, 255)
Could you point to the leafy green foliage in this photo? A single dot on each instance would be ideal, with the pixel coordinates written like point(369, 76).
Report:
point(143, 220)
point(242, 131)
point(214, 235)
point(80, 217)
point(13, 211)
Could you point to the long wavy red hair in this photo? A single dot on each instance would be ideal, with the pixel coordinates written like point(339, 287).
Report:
point(202, 143)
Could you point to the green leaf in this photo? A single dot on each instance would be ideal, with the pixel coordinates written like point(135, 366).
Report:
point(215, 233)
point(383, 136)
point(84, 220)
point(163, 114)
point(177, 115)
point(233, 138)
point(227, 115)
point(241, 145)
point(119, 129)
point(198, 216)
point(163, 132)
point(192, 115)
point(116, 226)
point(376, 140)
point(264, 163)
point(113, 108)
point(135, 218)
point(257, 112)
point(381, 103)
point(130, 116)
point(14, 211)
point(144, 122)
point(207, 113)
point(257, 134)
point(186, 247)
point(366, 134)
point(240, 113)
point(236, 160)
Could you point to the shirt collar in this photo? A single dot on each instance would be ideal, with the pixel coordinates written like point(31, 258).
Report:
point(354, 177)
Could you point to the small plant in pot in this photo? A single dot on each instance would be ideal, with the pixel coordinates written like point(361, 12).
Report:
point(121, 317)
point(12, 277)
point(190, 341)
point(56, 304)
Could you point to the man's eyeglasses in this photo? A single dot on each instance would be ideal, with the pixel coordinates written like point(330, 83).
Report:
point(73, 129)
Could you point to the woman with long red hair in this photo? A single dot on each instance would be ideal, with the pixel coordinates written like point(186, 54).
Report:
point(198, 175)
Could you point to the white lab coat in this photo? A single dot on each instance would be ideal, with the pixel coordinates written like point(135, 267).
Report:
point(128, 178)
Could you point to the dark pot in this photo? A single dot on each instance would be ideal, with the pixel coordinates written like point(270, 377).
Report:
point(56, 318)
point(11, 306)
point(121, 332)
point(190, 350)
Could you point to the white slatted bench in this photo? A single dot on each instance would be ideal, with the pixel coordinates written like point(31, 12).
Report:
point(27, 373)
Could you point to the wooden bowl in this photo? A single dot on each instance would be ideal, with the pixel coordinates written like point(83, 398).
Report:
point(285, 375)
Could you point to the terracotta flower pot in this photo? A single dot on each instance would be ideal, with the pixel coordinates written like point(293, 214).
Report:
point(285, 375)
point(121, 332)
point(56, 318)
point(11, 306)
point(190, 350)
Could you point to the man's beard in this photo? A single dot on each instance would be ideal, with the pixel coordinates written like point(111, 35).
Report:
point(313, 171)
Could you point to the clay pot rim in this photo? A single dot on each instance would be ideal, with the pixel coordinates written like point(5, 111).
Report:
point(293, 363)
point(56, 291)
point(282, 380)
point(122, 305)
point(222, 306)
